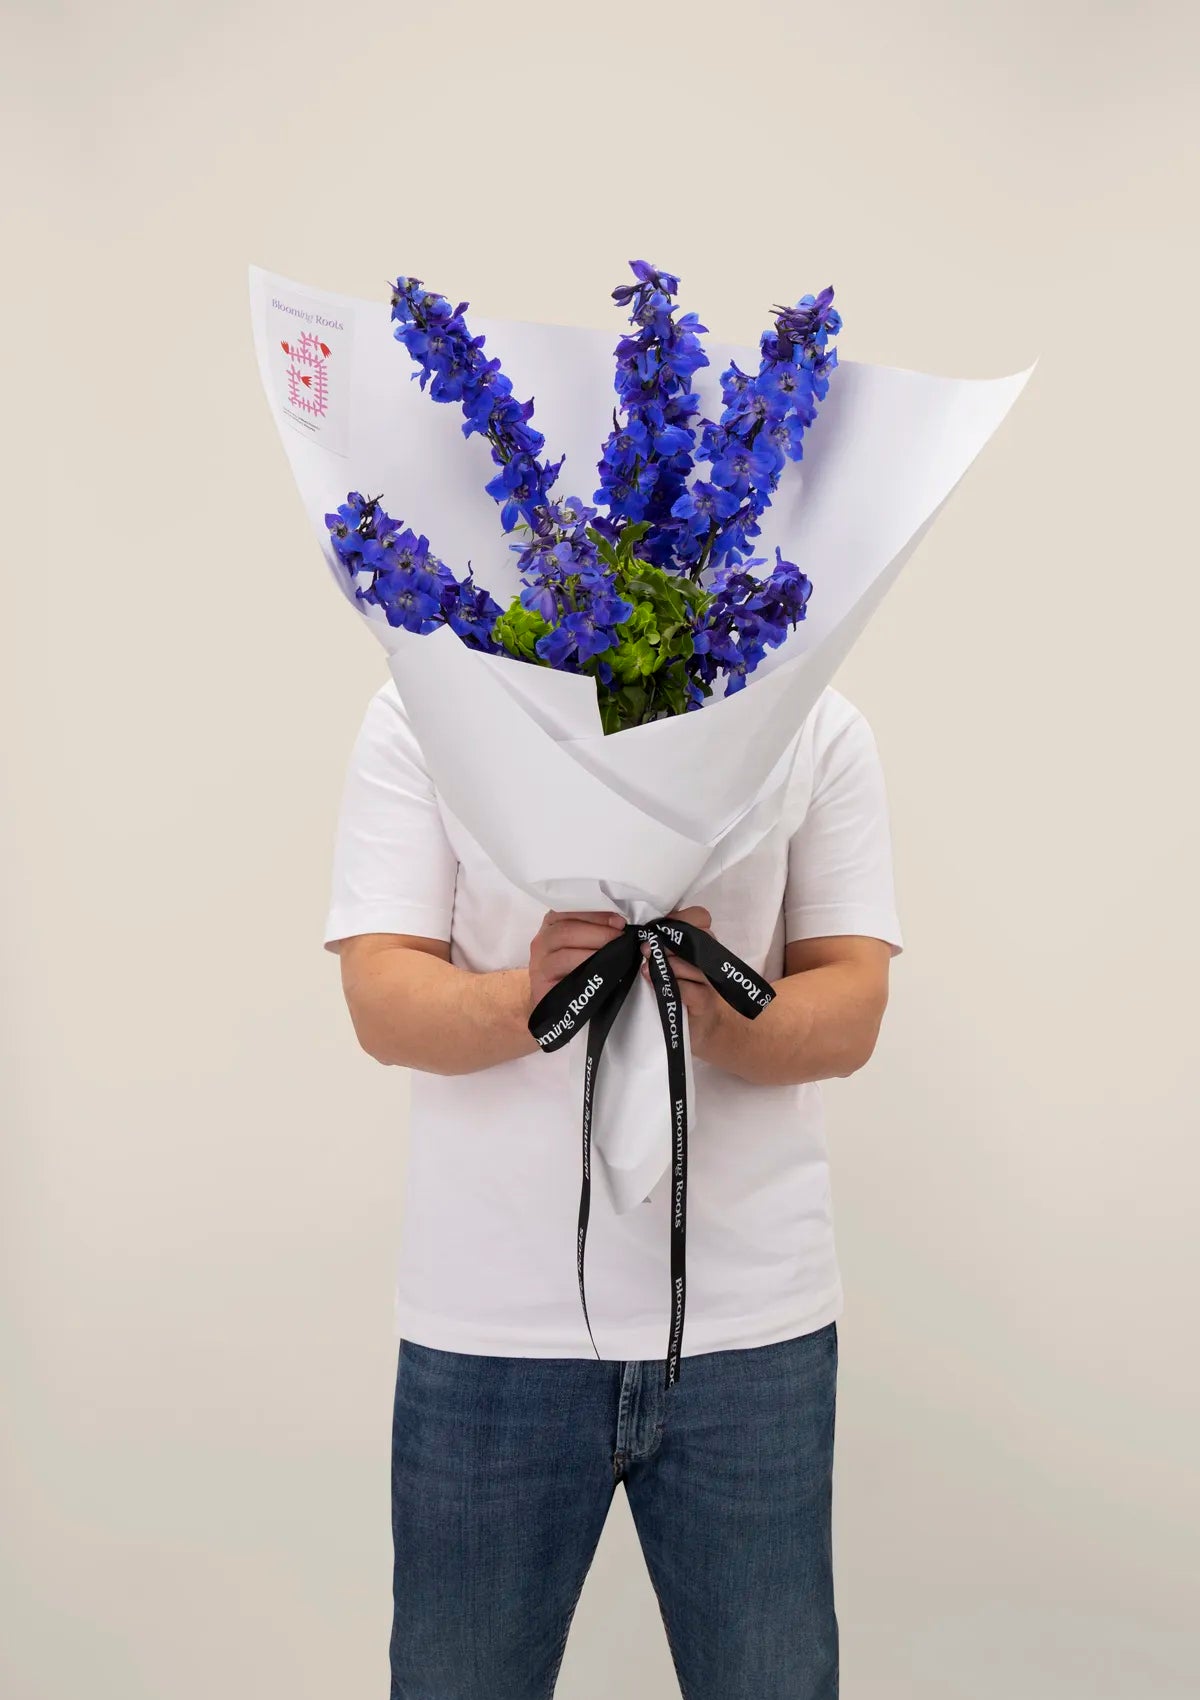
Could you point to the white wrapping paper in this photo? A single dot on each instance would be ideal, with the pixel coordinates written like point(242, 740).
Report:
point(633, 820)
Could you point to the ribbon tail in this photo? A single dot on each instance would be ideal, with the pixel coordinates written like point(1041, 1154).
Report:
point(599, 1027)
point(592, 997)
point(670, 1010)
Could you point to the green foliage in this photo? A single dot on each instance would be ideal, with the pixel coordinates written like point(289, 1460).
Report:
point(518, 630)
point(648, 661)
point(649, 676)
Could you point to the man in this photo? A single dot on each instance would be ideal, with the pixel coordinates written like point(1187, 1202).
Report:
point(509, 1435)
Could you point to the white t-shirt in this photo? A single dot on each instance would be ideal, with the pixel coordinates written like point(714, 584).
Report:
point(487, 1253)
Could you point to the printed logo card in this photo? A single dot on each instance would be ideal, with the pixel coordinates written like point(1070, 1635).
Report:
point(308, 347)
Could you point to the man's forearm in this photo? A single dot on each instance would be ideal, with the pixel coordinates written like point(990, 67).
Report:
point(822, 1023)
point(411, 1007)
point(417, 1011)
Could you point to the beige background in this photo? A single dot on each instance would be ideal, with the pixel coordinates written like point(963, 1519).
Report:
point(202, 1176)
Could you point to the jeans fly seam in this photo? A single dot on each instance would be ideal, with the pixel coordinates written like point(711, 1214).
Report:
point(624, 1407)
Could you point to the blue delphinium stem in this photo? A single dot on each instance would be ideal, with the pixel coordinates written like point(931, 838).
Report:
point(763, 426)
point(564, 578)
point(454, 368)
point(765, 418)
point(747, 616)
point(395, 569)
point(647, 458)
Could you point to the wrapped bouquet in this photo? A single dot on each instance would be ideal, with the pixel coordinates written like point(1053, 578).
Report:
point(603, 656)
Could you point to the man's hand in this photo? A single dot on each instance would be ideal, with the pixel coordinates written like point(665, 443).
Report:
point(823, 1021)
point(707, 1010)
point(562, 942)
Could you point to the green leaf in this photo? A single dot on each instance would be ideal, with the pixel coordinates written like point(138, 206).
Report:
point(518, 630)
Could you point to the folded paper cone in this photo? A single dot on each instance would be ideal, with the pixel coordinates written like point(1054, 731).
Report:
point(634, 820)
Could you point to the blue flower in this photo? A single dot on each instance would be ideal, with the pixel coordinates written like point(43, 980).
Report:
point(541, 598)
point(471, 612)
point(402, 549)
point(570, 515)
point(785, 437)
point(647, 458)
point(629, 485)
point(806, 327)
point(627, 443)
point(703, 504)
point(556, 647)
point(587, 631)
point(409, 597)
point(744, 465)
point(662, 283)
point(673, 440)
point(518, 488)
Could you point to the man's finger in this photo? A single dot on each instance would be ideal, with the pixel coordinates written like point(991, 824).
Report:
point(606, 917)
point(685, 970)
point(682, 969)
point(557, 964)
point(574, 933)
point(693, 988)
point(695, 993)
point(696, 916)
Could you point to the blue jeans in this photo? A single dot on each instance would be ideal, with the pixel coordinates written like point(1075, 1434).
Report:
point(503, 1470)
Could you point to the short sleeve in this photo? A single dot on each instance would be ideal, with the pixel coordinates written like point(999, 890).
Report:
point(840, 877)
point(394, 869)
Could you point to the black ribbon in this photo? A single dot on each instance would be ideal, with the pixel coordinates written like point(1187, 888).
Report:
point(591, 997)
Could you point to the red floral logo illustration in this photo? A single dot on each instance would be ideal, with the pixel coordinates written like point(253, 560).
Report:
point(308, 374)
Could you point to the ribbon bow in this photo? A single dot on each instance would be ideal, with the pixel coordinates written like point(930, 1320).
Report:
point(591, 996)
